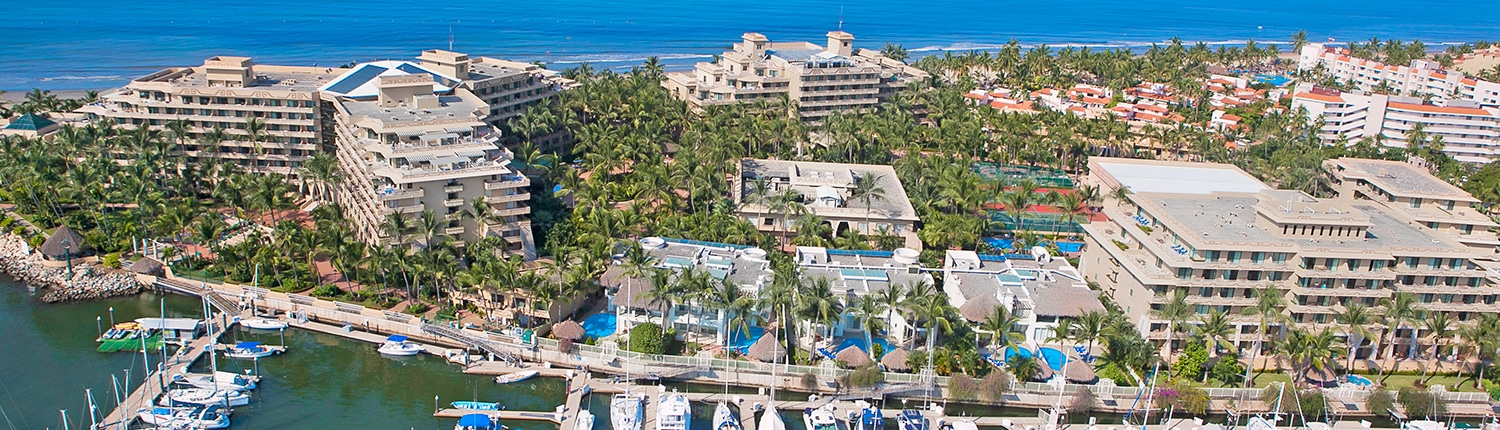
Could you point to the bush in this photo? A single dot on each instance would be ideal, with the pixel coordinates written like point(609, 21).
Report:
point(994, 386)
point(326, 290)
point(36, 241)
point(647, 338)
point(962, 387)
point(112, 260)
point(1227, 370)
point(1421, 403)
point(418, 308)
point(1120, 244)
point(1146, 228)
point(866, 377)
point(809, 381)
point(1183, 396)
point(1380, 401)
point(1495, 393)
point(1190, 361)
point(1083, 401)
point(6, 222)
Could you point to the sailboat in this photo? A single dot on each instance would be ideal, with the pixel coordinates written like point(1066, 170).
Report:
point(476, 422)
point(187, 417)
point(585, 420)
point(724, 418)
point(771, 420)
point(627, 411)
point(204, 397)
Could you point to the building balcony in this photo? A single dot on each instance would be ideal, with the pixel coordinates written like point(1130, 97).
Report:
point(513, 211)
point(409, 174)
point(1340, 292)
point(453, 203)
point(405, 209)
point(518, 181)
point(518, 197)
point(454, 231)
point(453, 188)
point(392, 193)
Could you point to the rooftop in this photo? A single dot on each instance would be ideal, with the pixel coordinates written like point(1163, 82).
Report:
point(1398, 178)
point(1230, 218)
point(1151, 176)
point(827, 185)
point(361, 82)
point(288, 78)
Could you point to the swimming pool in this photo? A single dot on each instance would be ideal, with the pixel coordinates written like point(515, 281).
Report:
point(1003, 244)
point(599, 325)
point(1358, 380)
point(1053, 356)
point(1012, 352)
point(740, 342)
point(859, 342)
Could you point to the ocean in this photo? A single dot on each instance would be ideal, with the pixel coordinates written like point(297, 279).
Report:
point(90, 44)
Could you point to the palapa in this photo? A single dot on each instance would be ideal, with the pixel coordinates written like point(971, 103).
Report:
point(147, 266)
point(63, 244)
point(1078, 371)
point(568, 330)
point(852, 356)
point(896, 359)
point(766, 349)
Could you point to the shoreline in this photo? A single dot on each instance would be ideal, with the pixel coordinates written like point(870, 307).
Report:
point(88, 282)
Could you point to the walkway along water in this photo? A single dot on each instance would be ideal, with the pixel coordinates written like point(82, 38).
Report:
point(703, 368)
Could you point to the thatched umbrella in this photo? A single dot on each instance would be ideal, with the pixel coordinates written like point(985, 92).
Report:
point(1043, 371)
point(1078, 371)
point(766, 349)
point(147, 266)
point(63, 244)
point(852, 356)
point(1321, 378)
point(569, 330)
point(896, 360)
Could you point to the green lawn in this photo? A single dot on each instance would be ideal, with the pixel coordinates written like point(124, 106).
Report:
point(1452, 383)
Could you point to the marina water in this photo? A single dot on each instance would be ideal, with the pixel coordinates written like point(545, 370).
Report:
point(48, 358)
point(91, 44)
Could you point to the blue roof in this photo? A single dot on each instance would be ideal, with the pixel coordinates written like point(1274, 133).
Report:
point(396, 338)
point(247, 345)
point(30, 122)
point(474, 420)
point(354, 80)
point(413, 69)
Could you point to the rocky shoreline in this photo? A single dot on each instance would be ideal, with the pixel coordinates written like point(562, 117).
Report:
point(86, 283)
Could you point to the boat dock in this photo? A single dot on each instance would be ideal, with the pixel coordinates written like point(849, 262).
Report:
point(145, 394)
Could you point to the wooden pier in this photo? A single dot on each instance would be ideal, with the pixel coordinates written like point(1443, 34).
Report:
point(145, 395)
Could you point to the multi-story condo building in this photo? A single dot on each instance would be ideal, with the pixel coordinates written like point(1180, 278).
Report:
point(1420, 78)
point(227, 93)
point(408, 141)
point(1410, 189)
point(1037, 288)
point(1215, 235)
point(824, 189)
point(507, 87)
point(819, 79)
point(1469, 133)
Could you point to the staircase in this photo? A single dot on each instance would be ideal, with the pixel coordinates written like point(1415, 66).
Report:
point(481, 344)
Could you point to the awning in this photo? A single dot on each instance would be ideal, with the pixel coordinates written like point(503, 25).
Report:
point(475, 421)
point(247, 345)
point(450, 160)
point(471, 152)
point(439, 136)
point(458, 128)
point(418, 158)
point(410, 133)
point(168, 323)
point(396, 338)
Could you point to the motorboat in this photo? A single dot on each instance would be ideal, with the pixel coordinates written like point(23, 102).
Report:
point(251, 350)
point(870, 417)
point(673, 412)
point(1424, 425)
point(820, 418)
point(397, 345)
point(264, 324)
point(202, 397)
point(210, 417)
point(912, 419)
point(477, 406)
point(219, 381)
point(724, 418)
point(476, 422)
point(515, 376)
point(585, 421)
point(627, 411)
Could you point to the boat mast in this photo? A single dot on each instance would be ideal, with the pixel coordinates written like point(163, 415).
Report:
point(1151, 393)
point(64, 413)
point(93, 409)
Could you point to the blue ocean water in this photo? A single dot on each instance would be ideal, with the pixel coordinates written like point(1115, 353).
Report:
point(102, 43)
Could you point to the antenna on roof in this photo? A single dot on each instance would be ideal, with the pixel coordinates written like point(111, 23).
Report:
point(841, 17)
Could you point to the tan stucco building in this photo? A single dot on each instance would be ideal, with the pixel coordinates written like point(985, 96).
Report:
point(824, 190)
point(820, 79)
point(1215, 234)
point(1408, 188)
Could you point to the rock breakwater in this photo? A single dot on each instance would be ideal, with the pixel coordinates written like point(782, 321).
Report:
point(86, 282)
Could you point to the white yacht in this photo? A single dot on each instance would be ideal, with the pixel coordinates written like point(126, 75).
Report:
point(627, 411)
point(820, 418)
point(219, 381)
point(585, 420)
point(202, 397)
point(673, 411)
point(724, 418)
point(251, 350)
point(263, 324)
point(194, 417)
point(397, 345)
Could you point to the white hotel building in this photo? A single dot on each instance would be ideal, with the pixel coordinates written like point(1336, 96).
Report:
point(1471, 133)
point(1422, 77)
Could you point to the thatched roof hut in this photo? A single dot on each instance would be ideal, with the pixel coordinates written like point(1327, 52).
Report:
point(1043, 373)
point(896, 359)
point(1078, 371)
point(766, 349)
point(569, 330)
point(852, 356)
point(64, 244)
point(147, 266)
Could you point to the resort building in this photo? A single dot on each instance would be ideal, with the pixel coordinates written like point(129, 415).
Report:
point(1420, 78)
point(1036, 287)
point(507, 88)
point(1215, 235)
point(854, 274)
point(1410, 189)
point(829, 190)
point(819, 79)
point(410, 140)
point(1470, 133)
point(227, 93)
point(632, 299)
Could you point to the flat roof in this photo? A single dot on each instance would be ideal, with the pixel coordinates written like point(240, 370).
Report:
point(288, 78)
point(1229, 217)
point(1152, 176)
point(1399, 178)
point(808, 176)
point(177, 324)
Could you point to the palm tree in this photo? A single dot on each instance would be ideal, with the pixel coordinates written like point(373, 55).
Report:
point(936, 314)
point(1439, 325)
point(1269, 303)
point(817, 304)
point(1311, 351)
point(869, 313)
point(867, 190)
point(1215, 328)
point(1089, 327)
point(255, 132)
point(1356, 318)
point(1176, 313)
point(894, 52)
point(1001, 325)
point(1399, 310)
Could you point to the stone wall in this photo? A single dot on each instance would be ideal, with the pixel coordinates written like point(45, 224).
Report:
point(87, 281)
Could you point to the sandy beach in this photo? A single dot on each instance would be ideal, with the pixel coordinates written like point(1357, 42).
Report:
point(12, 96)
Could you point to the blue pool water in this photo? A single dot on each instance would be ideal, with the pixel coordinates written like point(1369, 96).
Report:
point(599, 325)
point(1358, 380)
point(738, 341)
point(859, 342)
point(1012, 352)
point(1053, 356)
point(1001, 243)
point(1276, 80)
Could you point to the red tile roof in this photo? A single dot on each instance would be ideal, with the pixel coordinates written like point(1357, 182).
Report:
point(1439, 109)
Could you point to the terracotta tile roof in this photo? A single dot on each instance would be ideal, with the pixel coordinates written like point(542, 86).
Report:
point(1319, 97)
point(1439, 109)
point(1148, 117)
point(1230, 117)
point(1096, 100)
point(1150, 107)
point(974, 96)
point(1469, 81)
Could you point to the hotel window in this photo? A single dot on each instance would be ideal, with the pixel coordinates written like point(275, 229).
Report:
point(1184, 273)
point(1434, 263)
point(1278, 257)
point(1256, 257)
point(1416, 202)
point(1234, 256)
